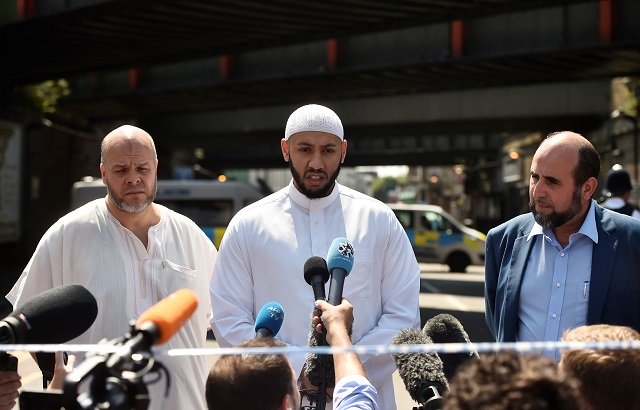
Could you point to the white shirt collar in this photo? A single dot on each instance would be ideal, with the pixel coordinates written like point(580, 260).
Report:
point(614, 203)
point(316, 203)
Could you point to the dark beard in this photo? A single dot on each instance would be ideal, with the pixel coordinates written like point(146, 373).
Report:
point(557, 219)
point(320, 193)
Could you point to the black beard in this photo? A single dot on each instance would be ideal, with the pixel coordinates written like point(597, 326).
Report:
point(320, 193)
point(558, 219)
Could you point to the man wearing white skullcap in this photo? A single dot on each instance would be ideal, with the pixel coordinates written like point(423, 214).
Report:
point(266, 245)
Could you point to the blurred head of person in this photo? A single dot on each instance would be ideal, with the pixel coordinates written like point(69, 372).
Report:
point(618, 183)
point(509, 380)
point(609, 378)
point(252, 381)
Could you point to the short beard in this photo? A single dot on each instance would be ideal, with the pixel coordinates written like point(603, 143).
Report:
point(555, 219)
point(137, 207)
point(320, 193)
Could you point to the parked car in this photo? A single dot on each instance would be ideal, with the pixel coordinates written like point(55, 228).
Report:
point(437, 237)
point(210, 204)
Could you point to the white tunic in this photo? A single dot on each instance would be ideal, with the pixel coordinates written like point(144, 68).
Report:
point(90, 247)
point(262, 256)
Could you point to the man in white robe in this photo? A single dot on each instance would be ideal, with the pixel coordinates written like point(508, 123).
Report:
point(130, 253)
point(266, 244)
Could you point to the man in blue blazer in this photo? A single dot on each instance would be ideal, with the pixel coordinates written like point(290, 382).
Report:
point(568, 262)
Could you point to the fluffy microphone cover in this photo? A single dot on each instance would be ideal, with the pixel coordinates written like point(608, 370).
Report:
point(444, 328)
point(418, 371)
point(313, 366)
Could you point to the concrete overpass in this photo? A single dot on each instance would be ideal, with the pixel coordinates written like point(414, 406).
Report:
point(427, 82)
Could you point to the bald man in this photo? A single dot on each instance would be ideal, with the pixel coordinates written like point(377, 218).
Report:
point(130, 253)
point(568, 262)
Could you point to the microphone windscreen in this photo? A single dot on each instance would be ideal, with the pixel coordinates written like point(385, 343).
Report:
point(313, 369)
point(316, 266)
point(170, 313)
point(418, 371)
point(445, 328)
point(57, 315)
point(270, 317)
point(340, 255)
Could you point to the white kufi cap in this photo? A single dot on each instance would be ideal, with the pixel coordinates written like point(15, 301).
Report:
point(314, 117)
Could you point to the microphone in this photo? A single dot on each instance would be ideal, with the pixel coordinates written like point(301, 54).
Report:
point(445, 328)
point(339, 262)
point(421, 373)
point(54, 316)
point(157, 324)
point(316, 274)
point(318, 369)
point(269, 320)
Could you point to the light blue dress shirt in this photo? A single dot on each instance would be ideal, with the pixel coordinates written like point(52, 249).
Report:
point(555, 287)
point(355, 393)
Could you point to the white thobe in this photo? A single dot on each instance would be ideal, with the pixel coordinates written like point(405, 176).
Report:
point(91, 248)
point(261, 259)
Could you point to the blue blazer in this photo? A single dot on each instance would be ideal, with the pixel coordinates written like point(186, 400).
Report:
point(614, 293)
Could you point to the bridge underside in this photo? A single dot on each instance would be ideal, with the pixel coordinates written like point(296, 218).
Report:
point(414, 82)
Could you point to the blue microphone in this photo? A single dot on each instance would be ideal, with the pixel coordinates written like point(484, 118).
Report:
point(269, 320)
point(339, 263)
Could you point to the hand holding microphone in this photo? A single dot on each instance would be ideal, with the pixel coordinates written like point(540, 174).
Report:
point(61, 369)
point(336, 320)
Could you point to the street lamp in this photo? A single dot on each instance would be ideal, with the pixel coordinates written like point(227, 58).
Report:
point(620, 114)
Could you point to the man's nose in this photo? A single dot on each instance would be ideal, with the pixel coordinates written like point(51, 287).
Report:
point(316, 161)
point(133, 178)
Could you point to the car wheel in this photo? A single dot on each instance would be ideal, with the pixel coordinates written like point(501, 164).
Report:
point(458, 261)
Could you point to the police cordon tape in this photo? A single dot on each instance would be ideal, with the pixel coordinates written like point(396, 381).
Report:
point(522, 347)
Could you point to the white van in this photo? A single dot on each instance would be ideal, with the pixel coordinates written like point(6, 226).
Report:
point(210, 204)
point(437, 237)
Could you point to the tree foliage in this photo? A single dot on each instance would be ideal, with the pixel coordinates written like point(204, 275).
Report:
point(44, 96)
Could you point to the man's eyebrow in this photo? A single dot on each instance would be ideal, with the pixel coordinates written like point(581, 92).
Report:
point(308, 144)
point(551, 178)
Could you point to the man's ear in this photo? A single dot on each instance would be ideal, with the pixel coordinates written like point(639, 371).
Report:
point(589, 187)
point(344, 151)
point(284, 146)
point(286, 403)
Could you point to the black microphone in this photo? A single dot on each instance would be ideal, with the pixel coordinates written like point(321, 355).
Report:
point(445, 328)
point(316, 274)
point(421, 372)
point(339, 262)
point(54, 316)
point(269, 320)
